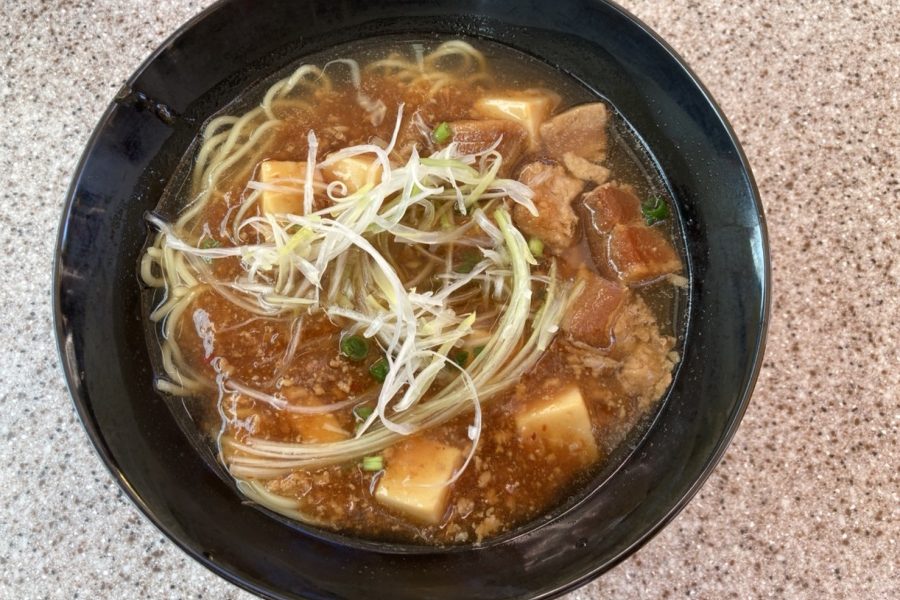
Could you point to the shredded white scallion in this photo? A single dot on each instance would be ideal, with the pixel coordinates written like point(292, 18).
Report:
point(349, 259)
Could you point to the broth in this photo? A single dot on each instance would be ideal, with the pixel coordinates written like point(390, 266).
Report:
point(286, 381)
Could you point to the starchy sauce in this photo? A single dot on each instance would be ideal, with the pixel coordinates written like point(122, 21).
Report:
point(515, 476)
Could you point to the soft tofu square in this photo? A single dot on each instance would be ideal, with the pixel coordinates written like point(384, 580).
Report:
point(415, 476)
point(559, 420)
point(354, 172)
point(285, 174)
point(314, 428)
point(530, 110)
point(319, 429)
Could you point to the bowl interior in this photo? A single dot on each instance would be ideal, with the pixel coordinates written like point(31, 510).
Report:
point(230, 46)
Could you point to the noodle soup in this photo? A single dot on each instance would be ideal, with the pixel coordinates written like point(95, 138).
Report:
point(415, 292)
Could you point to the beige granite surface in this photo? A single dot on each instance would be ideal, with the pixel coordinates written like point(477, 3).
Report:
point(806, 503)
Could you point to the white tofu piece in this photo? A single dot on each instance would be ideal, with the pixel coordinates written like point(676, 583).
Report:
point(559, 421)
point(314, 428)
point(530, 109)
point(319, 429)
point(415, 476)
point(354, 172)
point(286, 174)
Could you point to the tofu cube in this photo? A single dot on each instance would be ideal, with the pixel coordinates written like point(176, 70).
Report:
point(559, 421)
point(286, 174)
point(313, 428)
point(354, 172)
point(319, 429)
point(415, 476)
point(530, 109)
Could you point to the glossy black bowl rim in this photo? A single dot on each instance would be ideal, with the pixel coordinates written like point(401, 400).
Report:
point(260, 588)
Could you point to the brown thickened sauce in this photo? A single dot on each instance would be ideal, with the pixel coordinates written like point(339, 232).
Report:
point(510, 480)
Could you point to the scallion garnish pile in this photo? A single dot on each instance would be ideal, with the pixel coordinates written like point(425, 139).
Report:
point(450, 208)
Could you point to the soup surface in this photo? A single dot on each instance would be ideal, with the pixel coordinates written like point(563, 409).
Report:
point(414, 291)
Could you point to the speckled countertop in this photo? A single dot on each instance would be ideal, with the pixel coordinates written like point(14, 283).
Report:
point(807, 500)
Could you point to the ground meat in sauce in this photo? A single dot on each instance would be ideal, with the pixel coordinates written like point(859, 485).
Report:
point(621, 367)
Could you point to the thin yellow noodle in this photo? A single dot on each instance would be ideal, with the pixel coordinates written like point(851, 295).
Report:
point(204, 154)
point(394, 67)
point(286, 86)
point(214, 124)
point(239, 153)
point(148, 262)
point(221, 149)
point(438, 85)
point(456, 48)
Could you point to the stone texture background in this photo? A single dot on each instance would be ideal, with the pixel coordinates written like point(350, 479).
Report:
point(805, 503)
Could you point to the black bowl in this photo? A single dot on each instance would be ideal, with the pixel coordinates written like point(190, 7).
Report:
point(229, 46)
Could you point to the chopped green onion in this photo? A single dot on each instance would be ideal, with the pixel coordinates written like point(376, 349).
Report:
point(448, 162)
point(536, 246)
point(362, 412)
point(460, 357)
point(467, 261)
point(654, 210)
point(354, 347)
point(379, 370)
point(446, 222)
point(208, 243)
point(486, 180)
point(442, 133)
point(477, 350)
point(373, 463)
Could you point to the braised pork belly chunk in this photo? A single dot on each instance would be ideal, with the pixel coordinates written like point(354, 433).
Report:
point(610, 205)
point(584, 169)
point(508, 138)
point(646, 355)
point(554, 191)
point(621, 243)
point(639, 254)
point(594, 311)
point(580, 130)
